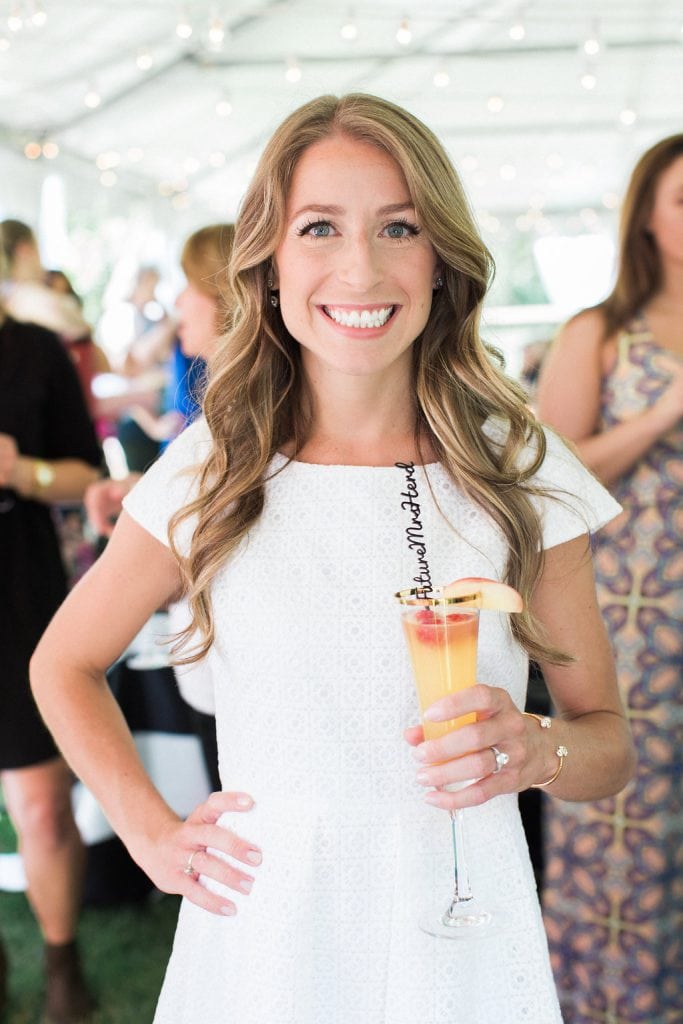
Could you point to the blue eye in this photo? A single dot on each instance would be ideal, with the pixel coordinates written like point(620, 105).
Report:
point(401, 229)
point(318, 229)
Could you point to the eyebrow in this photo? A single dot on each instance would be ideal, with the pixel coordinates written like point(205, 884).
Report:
point(335, 211)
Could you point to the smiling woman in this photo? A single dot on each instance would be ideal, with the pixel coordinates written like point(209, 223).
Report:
point(353, 273)
point(353, 356)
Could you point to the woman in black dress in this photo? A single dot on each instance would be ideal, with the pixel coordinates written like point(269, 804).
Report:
point(48, 453)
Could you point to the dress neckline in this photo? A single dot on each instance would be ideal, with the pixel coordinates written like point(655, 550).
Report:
point(640, 325)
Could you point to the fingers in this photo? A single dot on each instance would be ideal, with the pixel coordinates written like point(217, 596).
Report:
point(202, 860)
point(472, 751)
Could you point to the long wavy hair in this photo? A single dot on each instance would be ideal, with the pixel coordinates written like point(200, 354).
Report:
point(639, 272)
point(255, 400)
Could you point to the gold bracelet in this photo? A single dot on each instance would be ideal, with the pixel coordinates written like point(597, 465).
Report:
point(545, 722)
point(561, 752)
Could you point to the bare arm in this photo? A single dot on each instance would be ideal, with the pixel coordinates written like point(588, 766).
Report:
point(70, 477)
point(568, 399)
point(591, 720)
point(135, 575)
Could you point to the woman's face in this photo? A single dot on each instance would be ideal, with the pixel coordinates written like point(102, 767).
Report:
point(666, 220)
point(354, 268)
point(197, 327)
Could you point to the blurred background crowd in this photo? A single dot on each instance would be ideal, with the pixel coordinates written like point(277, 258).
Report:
point(123, 162)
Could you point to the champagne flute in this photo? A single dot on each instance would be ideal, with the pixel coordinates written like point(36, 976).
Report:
point(441, 633)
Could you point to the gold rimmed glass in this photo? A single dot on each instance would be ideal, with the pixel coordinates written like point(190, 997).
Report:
point(441, 634)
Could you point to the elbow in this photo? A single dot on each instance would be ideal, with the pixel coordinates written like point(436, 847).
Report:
point(624, 763)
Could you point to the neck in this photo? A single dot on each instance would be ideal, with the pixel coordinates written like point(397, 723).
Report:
point(669, 298)
point(362, 421)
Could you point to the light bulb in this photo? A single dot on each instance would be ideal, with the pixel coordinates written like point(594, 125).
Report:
point(293, 71)
point(224, 107)
point(517, 32)
point(50, 150)
point(144, 60)
point(92, 98)
point(589, 80)
point(627, 117)
point(404, 33)
point(349, 29)
point(441, 77)
point(32, 150)
point(495, 104)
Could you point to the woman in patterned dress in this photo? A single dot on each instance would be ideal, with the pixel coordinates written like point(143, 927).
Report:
point(358, 276)
point(613, 383)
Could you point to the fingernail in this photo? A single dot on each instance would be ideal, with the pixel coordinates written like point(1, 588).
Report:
point(253, 857)
point(245, 884)
point(423, 777)
point(433, 798)
point(419, 754)
point(244, 801)
point(228, 911)
point(433, 713)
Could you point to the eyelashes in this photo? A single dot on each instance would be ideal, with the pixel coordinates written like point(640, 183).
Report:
point(324, 229)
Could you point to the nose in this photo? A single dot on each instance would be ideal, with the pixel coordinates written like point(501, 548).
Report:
point(360, 264)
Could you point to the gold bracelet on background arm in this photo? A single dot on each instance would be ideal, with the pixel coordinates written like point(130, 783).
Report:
point(545, 722)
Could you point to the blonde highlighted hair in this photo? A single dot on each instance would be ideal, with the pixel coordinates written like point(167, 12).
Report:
point(204, 260)
point(253, 404)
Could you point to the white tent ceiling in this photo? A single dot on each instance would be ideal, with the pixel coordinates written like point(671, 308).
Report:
point(188, 117)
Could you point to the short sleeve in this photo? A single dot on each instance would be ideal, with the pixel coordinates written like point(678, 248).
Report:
point(576, 502)
point(169, 484)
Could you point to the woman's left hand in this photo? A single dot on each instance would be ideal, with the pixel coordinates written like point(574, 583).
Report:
point(467, 753)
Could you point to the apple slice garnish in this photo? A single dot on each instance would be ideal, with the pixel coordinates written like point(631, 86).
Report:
point(485, 593)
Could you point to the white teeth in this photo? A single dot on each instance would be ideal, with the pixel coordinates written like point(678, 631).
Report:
point(359, 317)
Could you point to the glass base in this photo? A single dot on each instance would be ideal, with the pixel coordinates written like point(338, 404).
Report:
point(467, 922)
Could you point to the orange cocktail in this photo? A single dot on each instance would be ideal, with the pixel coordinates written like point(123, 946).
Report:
point(443, 650)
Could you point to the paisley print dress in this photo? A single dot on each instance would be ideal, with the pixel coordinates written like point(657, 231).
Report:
point(613, 901)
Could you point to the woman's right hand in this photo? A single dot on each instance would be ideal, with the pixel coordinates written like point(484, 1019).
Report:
point(168, 855)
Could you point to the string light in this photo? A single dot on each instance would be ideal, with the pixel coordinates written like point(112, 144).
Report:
point(349, 28)
point(591, 45)
point(589, 79)
point(32, 150)
point(495, 103)
point(627, 117)
point(144, 59)
point(404, 33)
point(105, 161)
point(183, 29)
point(38, 16)
point(216, 31)
point(224, 107)
point(517, 32)
point(293, 70)
point(50, 150)
point(15, 22)
point(92, 98)
point(442, 77)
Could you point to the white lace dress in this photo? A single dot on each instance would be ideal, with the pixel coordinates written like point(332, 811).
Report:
point(313, 690)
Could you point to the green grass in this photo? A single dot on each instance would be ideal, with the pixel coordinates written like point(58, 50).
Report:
point(125, 950)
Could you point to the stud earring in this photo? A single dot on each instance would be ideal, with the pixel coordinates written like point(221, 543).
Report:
point(438, 283)
point(274, 300)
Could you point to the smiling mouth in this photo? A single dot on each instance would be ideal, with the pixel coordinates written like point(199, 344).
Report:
point(363, 318)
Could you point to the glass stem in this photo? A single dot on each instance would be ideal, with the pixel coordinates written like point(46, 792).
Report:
point(461, 891)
